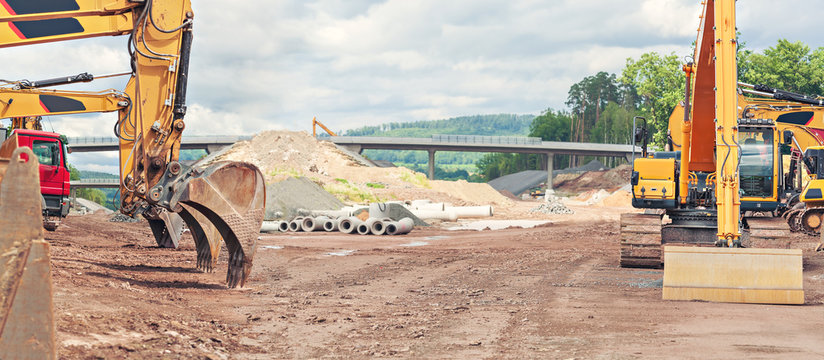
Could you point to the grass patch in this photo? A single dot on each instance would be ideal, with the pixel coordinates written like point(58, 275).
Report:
point(350, 193)
point(376, 185)
point(416, 178)
point(284, 171)
point(342, 181)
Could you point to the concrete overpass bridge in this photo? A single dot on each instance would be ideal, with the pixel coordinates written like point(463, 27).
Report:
point(497, 144)
point(208, 143)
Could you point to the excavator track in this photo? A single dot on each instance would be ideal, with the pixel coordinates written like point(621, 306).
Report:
point(641, 240)
point(810, 221)
point(767, 232)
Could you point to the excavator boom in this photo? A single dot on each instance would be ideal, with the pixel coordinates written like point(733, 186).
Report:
point(150, 121)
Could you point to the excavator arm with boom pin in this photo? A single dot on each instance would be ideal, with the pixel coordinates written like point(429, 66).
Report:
point(225, 198)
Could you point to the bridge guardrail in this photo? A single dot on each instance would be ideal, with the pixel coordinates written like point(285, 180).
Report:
point(479, 139)
point(88, 140)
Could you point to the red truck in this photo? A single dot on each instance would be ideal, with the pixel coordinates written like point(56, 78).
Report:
point(54, 172)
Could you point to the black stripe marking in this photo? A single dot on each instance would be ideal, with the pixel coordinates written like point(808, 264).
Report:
point(61, 104)
point(51, 27)
point(797, 118)
point(23, 7)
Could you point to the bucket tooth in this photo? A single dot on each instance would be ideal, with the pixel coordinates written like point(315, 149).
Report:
point(230, 195)
point(207, 238)
point(27, 328)
point(738, 275)
point(167, 227)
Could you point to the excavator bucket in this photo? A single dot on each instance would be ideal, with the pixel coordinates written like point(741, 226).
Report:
point(224, 200)
point(738, 275)
point(167, 227)
point(27, 328)
point(207, 238)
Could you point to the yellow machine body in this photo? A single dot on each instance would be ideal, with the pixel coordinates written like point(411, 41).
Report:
point(727, 273)
point(761, 276)
point(656, 180)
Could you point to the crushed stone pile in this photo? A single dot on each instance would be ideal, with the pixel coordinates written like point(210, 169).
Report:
point(552, 205)
point(284, 198)
point(598, 196)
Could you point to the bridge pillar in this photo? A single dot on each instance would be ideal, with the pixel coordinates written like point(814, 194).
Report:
point(549, 158)
point(214, 148)
point(357, 149)
point(431, 164)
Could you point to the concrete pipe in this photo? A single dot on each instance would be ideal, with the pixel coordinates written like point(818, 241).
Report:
point(377, 226)
point(415, 203)
point(295, 224)
point(378, 210)
point(365, 228)
point(332, 213)
point(330, 225)
point(283, 226)
point(349, 225)
point(311, 224)
point(437, 215)
point(472, 211)
point(401, 227)
point(431, 207)
point(270, 226)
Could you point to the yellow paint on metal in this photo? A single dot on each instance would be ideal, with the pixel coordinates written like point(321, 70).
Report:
point(762, 276)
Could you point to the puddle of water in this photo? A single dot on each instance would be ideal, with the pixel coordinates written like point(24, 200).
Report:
point(340, 253)
point(273, 247)
point(415, 243)
point(439, 237)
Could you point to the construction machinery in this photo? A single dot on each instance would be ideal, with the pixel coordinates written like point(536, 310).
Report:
point(811, 214)
point(728, 164)
point(225, 198)
point(316, 123)
point(167, 227)
point(219, 200)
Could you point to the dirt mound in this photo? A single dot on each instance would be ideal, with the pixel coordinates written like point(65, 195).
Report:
point(619, 198)
point(611, 180)
point(285, 154)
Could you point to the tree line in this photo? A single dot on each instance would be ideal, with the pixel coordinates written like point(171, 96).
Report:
point(601, 106)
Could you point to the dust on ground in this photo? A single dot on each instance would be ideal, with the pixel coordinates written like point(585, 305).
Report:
point(549, 292)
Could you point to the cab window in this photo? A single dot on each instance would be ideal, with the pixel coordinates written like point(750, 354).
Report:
point(47, 152)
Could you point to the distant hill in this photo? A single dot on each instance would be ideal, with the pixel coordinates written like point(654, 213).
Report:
point(492, 125)
point(487, 125)
point(85, 174)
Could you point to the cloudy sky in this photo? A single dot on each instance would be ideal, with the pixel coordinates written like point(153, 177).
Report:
point(259, 65)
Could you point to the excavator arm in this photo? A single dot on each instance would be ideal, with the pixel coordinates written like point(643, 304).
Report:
point(226, 198)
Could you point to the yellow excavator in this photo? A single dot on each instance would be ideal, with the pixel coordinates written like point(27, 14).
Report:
point(729, 163)
point(221, 201)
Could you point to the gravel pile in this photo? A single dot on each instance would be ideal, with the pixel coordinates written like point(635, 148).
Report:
point(284, 198)
point(120, 217)
point(553, 205)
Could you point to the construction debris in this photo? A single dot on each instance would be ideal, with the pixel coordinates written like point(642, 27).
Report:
point(552, 205)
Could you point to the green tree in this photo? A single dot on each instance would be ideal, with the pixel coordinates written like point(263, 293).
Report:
point(790, 66)
point(658, 82)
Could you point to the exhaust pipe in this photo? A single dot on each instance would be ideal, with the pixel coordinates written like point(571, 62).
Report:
point(349, 225)
point(401, 227)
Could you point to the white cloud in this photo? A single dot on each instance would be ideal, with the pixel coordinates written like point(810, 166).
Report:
point(358, 62)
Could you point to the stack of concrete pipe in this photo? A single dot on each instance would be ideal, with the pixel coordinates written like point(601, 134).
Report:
point(428, 210)
point(347, 225)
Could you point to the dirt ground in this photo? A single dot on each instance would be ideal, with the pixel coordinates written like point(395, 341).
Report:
point(554, 291)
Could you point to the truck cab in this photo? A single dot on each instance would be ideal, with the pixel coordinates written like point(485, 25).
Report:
point(50, 151)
